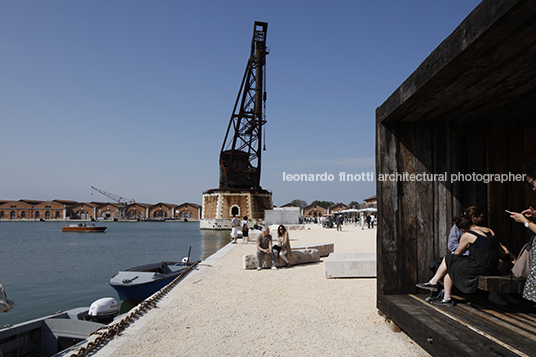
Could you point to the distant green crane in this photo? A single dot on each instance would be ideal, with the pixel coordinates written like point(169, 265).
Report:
point(121, 202)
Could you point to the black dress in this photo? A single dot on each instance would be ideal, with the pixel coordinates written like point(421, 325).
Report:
point(482, 260)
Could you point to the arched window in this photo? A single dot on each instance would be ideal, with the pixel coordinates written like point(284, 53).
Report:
point(36, 214)
point(58, 215)
point(47, 215)
point(2, 214)
point(235, 211)
point(23, 214)
point(13, 215)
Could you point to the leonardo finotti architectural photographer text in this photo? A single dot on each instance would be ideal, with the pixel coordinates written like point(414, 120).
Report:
point(343, 176)
point(404, 176)
point(455, 177)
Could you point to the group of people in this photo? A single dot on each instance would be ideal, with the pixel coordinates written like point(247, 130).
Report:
point(245, 229)
point(476, 251)
point(264, 242)
point(265, 247)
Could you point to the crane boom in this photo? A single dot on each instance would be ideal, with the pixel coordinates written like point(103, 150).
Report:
point(240, 156)
point(121, 202)
point(116, 198)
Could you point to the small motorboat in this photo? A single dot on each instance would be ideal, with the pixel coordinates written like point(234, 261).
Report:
point(82, 227)
point(138, 283)
point(53, 334)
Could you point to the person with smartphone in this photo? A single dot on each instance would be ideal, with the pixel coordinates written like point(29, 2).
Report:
point(525, 218)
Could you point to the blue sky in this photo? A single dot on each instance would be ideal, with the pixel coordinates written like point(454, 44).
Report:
point(134, 97)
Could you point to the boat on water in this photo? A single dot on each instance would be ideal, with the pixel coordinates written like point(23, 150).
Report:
point(53, 334)
point(140, 282)
point(82, 227)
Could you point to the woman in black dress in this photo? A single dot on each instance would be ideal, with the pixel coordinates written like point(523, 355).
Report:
point(463, 271)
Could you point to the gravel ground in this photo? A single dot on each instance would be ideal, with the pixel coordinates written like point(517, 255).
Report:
point(224, 310)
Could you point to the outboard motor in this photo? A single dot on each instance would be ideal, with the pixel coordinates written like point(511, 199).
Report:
point(103, 310)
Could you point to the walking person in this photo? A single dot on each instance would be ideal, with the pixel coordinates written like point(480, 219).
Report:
point(234, 229)
point(245, 230)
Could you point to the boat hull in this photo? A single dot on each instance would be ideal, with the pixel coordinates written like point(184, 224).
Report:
point(47, 335)
point(140, 292)
point(84, 229)
point(138, 283)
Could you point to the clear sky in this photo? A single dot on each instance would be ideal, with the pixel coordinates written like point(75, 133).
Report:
point(134, 97)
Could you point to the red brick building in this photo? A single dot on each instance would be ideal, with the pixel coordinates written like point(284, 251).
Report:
point(161, 211)
point(189, 211)
point(337, 207)
point(314, 211)
point(138, 211)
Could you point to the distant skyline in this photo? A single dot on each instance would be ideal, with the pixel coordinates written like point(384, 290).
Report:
point(134, 97)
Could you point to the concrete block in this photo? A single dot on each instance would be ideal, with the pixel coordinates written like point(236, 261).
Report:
point(249, 261)
point(324, 249)
point(350, 265)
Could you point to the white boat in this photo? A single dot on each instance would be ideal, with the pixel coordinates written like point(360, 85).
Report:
point(52, 334)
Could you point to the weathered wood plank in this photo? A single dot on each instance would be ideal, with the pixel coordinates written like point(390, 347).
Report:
point(435, 332)
point(501, 283)
point(388, 213)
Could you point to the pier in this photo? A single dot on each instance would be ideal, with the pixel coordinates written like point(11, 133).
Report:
point(222, 309)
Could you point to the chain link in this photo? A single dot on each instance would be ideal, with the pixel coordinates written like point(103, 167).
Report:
point(107, 332)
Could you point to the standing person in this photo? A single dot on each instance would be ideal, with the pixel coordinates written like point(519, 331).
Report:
point(363, 220)
point(372, 220)
point(245, 230)
point(368, 221)
point(264, 247)
point(529, 291)
point(338, 221)
point(284, 244)
point(234, 229)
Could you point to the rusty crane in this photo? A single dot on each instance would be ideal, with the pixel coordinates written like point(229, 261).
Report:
point(240, 156)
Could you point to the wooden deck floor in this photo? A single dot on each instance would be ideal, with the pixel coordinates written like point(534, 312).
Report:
point(473, 327)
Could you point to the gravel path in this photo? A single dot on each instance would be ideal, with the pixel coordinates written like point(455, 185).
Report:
point(223, 310)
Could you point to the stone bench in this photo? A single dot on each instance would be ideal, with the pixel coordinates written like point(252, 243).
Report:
point(350, 265)
point(301, 256)
point(324, 249)
point(501, 283)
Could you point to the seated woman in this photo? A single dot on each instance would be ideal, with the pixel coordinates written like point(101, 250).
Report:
point(463, 271)
point(285, 251)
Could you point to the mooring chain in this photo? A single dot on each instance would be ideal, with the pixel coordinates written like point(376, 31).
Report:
point(107, 332)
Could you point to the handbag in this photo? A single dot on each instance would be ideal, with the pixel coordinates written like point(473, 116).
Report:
point(522, 266)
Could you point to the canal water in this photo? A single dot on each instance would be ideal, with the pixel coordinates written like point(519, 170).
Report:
point(45, 270)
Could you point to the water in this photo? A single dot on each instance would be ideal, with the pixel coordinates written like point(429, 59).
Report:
point(45, 270)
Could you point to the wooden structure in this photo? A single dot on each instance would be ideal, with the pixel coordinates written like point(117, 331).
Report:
point(467, 111)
